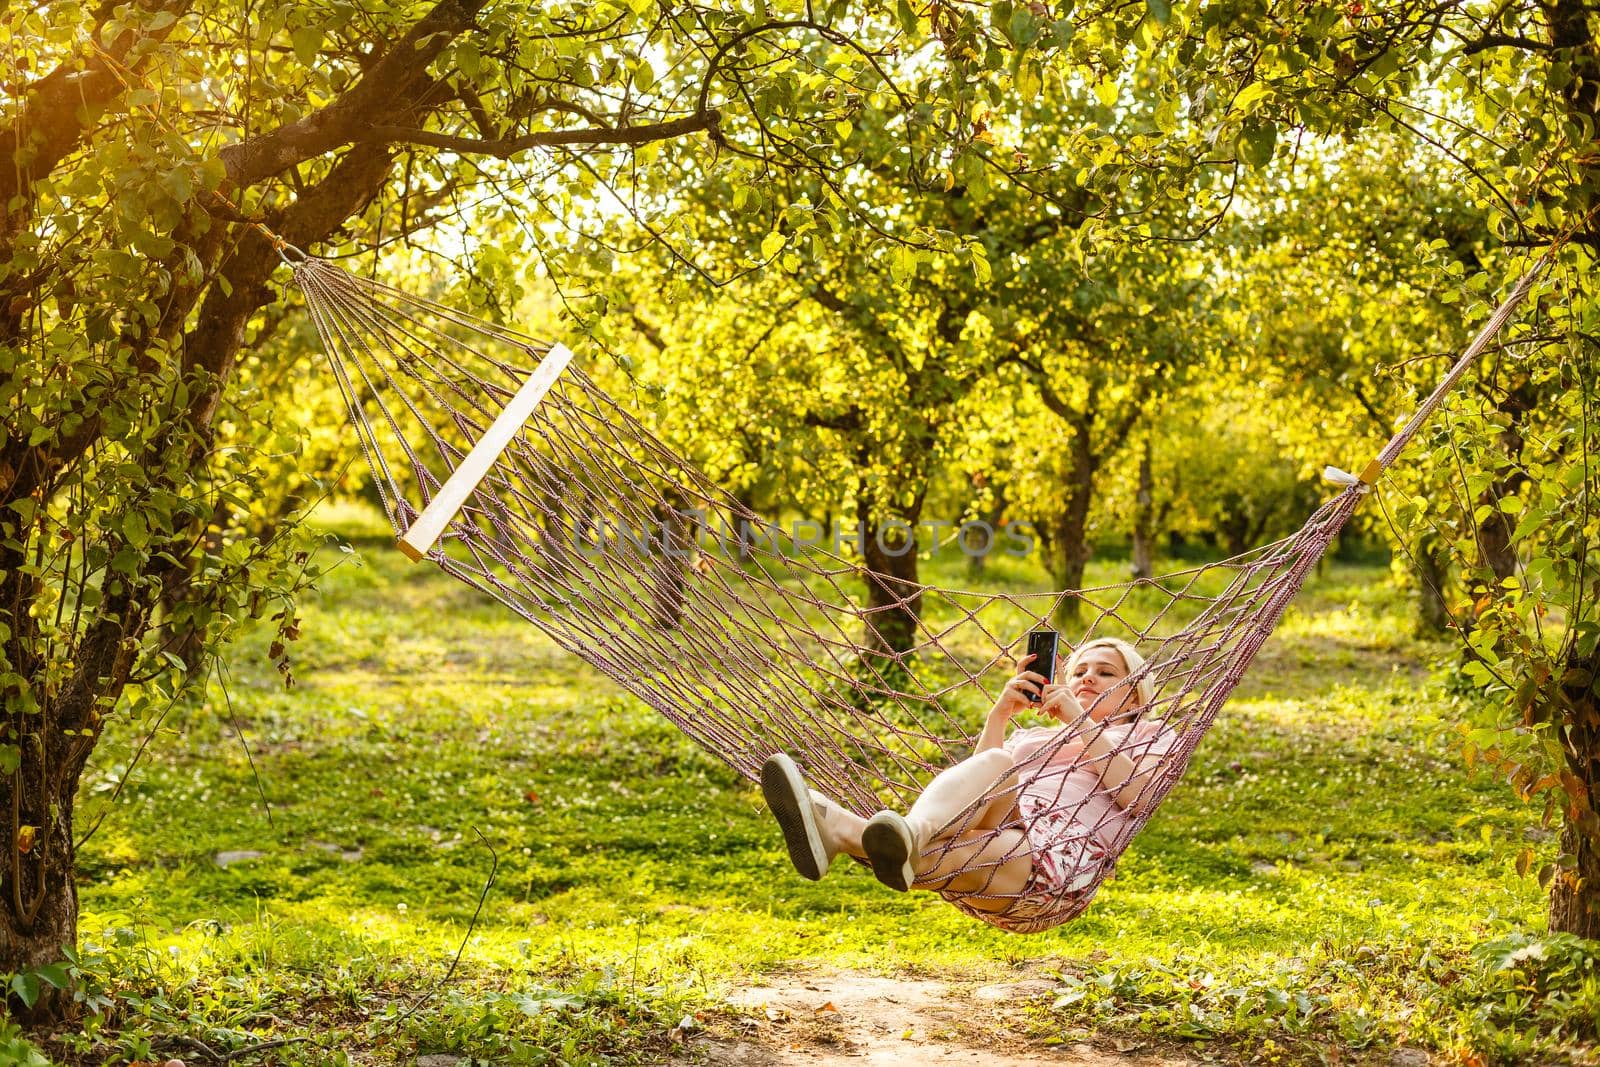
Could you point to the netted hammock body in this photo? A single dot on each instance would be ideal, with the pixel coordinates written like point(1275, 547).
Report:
point(626, 555)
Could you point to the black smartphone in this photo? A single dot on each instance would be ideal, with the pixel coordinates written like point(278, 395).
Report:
point(1042, 645)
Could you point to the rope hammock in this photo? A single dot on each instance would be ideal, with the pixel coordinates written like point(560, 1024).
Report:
point(514, 472)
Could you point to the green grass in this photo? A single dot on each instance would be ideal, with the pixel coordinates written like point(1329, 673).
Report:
point(1327, 844)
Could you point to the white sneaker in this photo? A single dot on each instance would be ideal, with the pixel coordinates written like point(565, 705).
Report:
point(811, 846)
point(890, 844)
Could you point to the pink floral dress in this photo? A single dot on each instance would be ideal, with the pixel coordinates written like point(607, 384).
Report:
point(1072, 823)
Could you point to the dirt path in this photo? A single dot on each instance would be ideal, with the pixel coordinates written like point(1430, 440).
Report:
point(859, 1020)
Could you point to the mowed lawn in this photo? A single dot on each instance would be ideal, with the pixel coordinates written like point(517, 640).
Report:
point(307, 861)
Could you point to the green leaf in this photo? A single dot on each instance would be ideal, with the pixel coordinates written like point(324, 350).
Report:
point(10, 759)
point(1029, 80)
point(1166, 116)
point(772, 244)
point(902, 264)
point(307, 43)
point(53, 975)
point(467, 58)
point(980, 266)
point(126, 561)
point(212, 172)
point(1257, 142)
point(1160, 10)
point(178, 182)
point(26, 987)
point(135, 529)
point(1250, 95)
point(908, 17)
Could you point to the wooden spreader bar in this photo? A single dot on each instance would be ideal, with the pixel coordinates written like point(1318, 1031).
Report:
point(422, 535)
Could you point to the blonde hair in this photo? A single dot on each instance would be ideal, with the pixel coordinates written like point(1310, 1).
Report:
point(1144, 689)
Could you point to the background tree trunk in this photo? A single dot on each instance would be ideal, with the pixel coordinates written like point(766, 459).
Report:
point(1432, 571)
point(1069, 533)
point(1144, 518)
point(977, 561)
point(669, 559)
point(1575, 894)
point(894, 599)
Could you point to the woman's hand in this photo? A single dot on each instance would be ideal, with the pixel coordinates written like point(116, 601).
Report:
point(1059, 703)
point(1016, 696)
point(1013, 699)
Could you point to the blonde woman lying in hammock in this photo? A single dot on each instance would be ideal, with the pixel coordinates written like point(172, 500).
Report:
point(1031, 857)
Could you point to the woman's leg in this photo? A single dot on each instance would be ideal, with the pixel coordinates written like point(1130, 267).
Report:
point(958, 788)
point(978, 865)
point(815, 829)
point(893, 843)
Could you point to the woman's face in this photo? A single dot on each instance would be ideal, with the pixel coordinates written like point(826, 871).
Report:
point(1096, 671)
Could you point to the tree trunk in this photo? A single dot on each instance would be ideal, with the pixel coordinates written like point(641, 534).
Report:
point(39, 901)
point(1432, 571)
point(734, 534)
point(1575, 901)
point(1575, 894)
point(1494, 532)
point(1233, 524)
point(976, 559)
point(1069, 533)
point(54, 723)
point(894, 598)
point(1144, 518)
point(668, 561)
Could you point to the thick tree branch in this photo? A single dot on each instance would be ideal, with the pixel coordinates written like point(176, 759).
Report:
point(1378, 421)
point(387, 82)
point(1501, 40)
point(211, 346)
point(646, 330)
point(861, 319)
point(507, 147)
